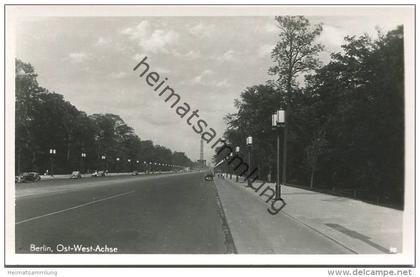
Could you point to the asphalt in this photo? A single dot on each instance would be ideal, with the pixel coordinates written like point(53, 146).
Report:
point(163, 214)
point(167, 214)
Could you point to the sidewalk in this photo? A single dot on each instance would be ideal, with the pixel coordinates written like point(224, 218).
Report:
point(352, 225)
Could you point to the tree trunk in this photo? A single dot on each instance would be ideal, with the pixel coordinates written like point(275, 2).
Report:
point(68, 152)
point(19, 154)
point(312, 178)
point(33, 161)
point(289, 88)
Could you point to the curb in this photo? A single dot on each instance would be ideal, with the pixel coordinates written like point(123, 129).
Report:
point(229, 242)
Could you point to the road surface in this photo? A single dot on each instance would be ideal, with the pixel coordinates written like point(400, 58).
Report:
point(166, 214)
point(162, 214)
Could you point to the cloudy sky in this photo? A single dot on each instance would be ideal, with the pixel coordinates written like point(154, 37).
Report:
point(207, 60)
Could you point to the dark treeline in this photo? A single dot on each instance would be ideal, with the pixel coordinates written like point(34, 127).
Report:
point(345, 124)
point(44, 121)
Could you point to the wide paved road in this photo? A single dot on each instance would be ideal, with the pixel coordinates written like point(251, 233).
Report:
point(160, 214)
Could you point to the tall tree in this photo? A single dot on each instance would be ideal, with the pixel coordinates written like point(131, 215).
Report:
point(296, 50)
point(26, 101)
point(295, 54)
point(347, 122)
point(360, 96)
point(45, 120)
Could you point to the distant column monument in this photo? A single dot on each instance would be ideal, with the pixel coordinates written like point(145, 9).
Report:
point(202, 161)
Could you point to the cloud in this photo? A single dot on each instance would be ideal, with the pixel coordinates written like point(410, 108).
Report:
point(102, 42)
point(161, 120)
point(190, 55)
point(153, 41)
point(162, 70)
point(202, 30)
point(206, 78)
point(270, 28)
point(77, 57)
point(202, 78)
point(193, 54)
point(208, 72)
point(118, 75)
point(332, 37)
point(159, 41)
point(138, 57)
point(265, 50)
point(222, 84)
point(139, 32)
point(227, 56)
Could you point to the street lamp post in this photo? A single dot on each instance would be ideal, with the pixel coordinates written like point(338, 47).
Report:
point(237, 149)
point(249, 144)
point(226, 167)
point(117, 167)
point(230, 167)
point(103, 158)
point(278, 120)
point(129, 164)
point(52, 153)
point(82, 162)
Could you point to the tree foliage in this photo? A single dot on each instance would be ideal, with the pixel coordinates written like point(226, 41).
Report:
point(45, 120)
point(346, 125)
point(296, 50)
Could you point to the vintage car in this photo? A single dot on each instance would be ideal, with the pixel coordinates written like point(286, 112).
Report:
point(209, 177)
point(29, 177)
point(99, 173)
point(76, 175)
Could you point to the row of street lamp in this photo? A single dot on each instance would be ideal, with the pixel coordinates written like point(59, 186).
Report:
point(278, 121)
point(83, 155)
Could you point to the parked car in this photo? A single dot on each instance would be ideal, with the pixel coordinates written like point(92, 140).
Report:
point(135, 173)
point(76, 175)
point(99, 173)
point(30, 177)
point(208, 177)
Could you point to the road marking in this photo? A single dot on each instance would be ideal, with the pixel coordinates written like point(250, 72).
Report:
point(75, 207)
